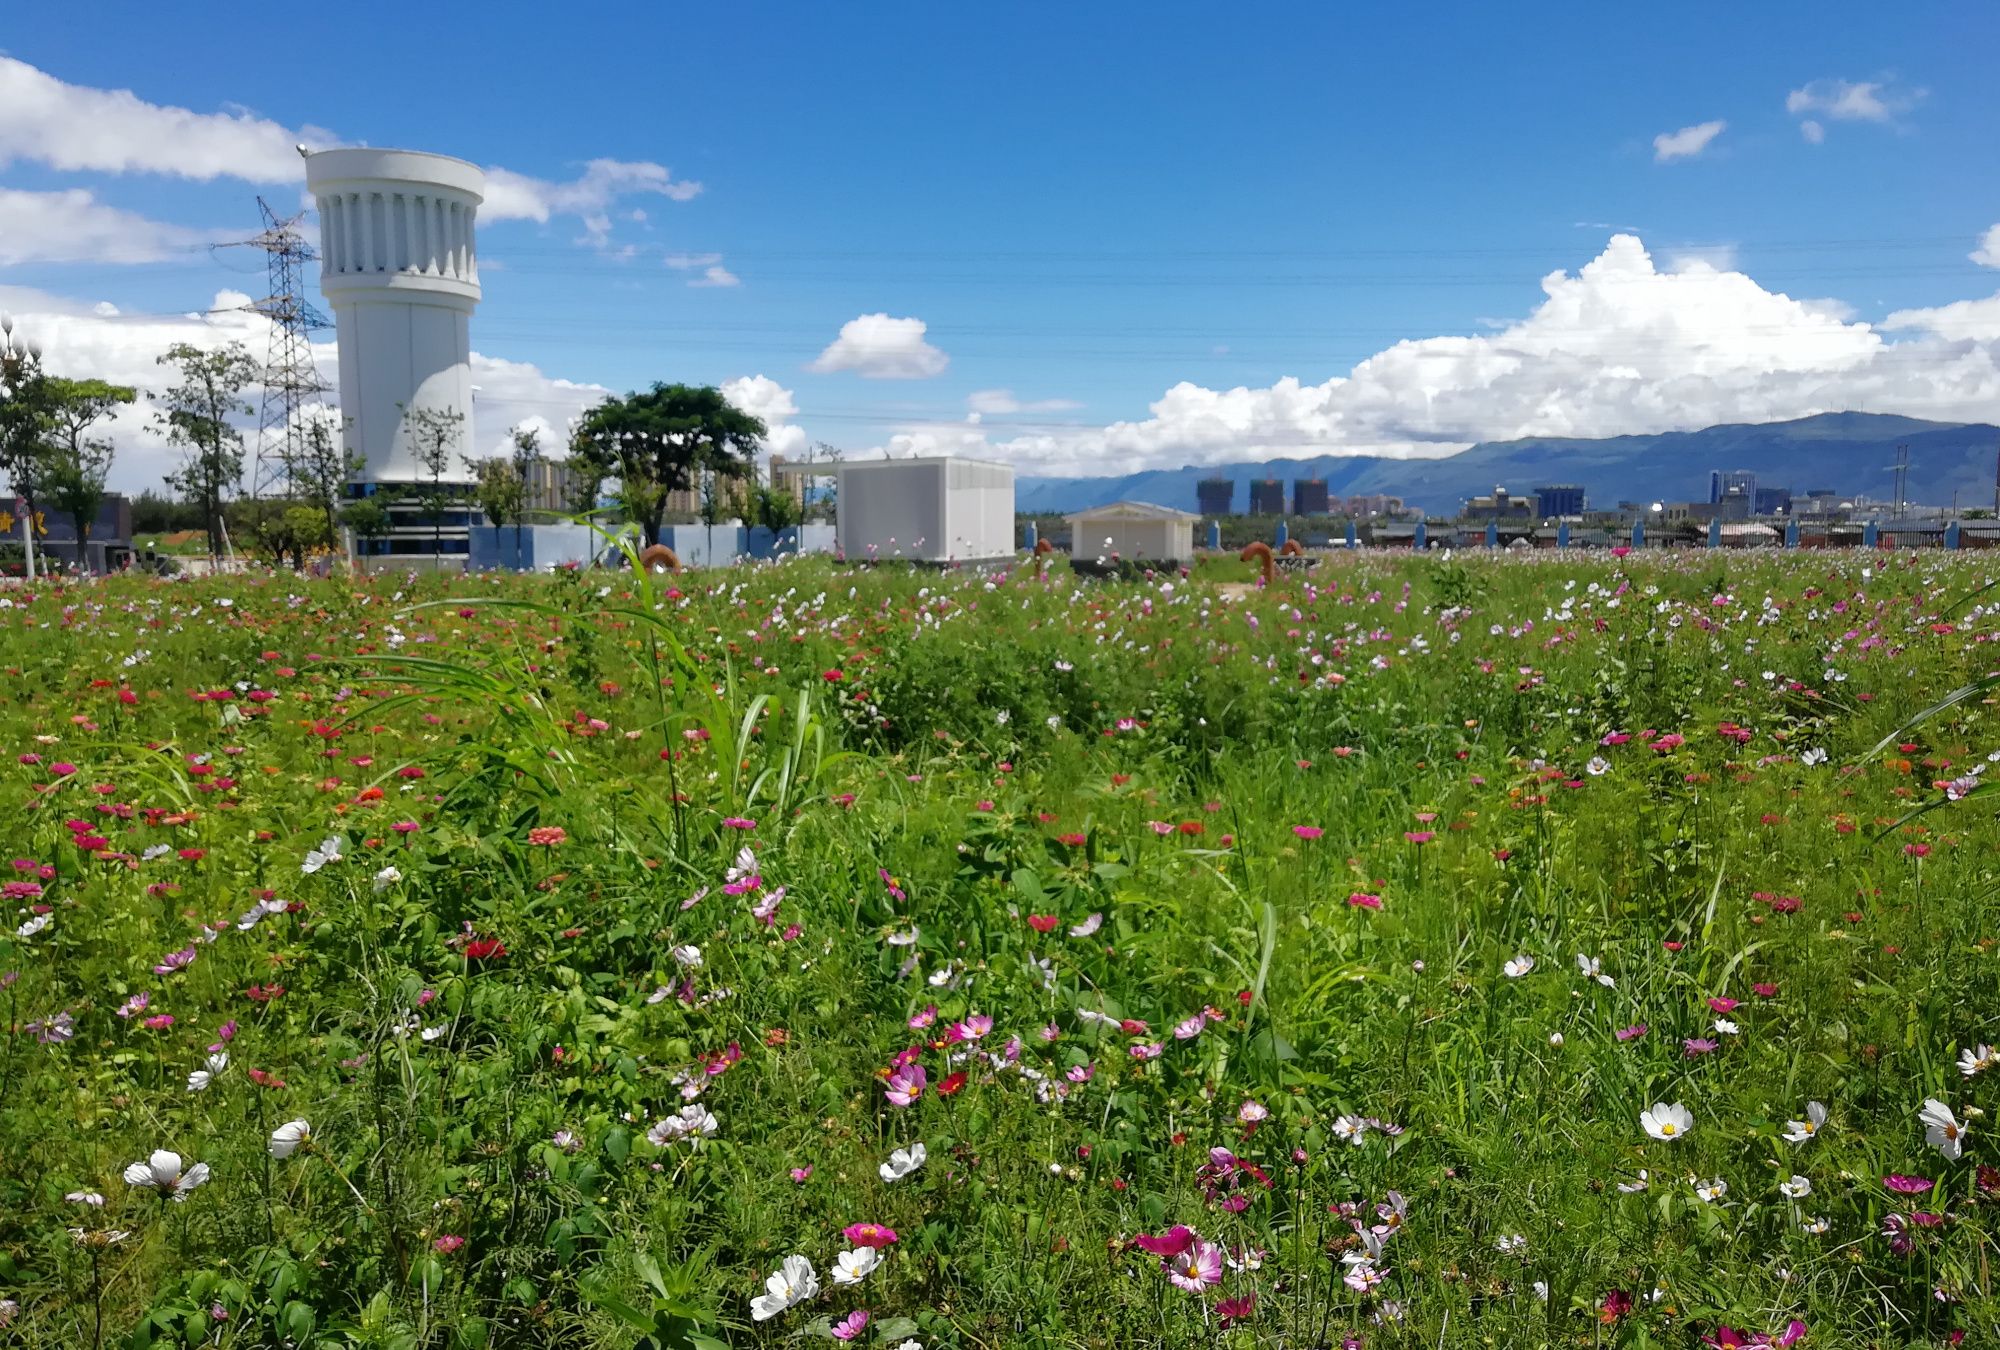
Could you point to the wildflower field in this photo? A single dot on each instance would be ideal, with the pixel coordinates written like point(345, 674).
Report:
point(1494, 952)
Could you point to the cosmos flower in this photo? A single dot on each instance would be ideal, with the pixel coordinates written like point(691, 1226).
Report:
point(906, 1085)
point(1799, 1131)
point(1667, 1122)
point(792, 1284)
point(1194, 1269)
point(1942, 1130)
point(1976, 1060)
point(163, 1173)
point(904, 1161)
point(1518, 966)
point(852, 1267)
point(199, 1080)
point(289, 1138)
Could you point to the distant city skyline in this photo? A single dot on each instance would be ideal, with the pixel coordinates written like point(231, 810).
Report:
point(952, 231)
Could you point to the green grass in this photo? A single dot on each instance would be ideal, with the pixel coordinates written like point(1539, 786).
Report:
point(945, 775)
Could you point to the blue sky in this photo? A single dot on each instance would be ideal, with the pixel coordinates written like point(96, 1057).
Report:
point(1091, 206)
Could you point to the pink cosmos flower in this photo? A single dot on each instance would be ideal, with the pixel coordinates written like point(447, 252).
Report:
point(1631, 1033)
point(907, 1084)
point(449, 1243)
point(1153, 1051)
point(738, 823)
point(869, 1235)
point(1191, 1028)
point(801, 1175)
point(1196, 1268)
point(1906, 1185)
point(1363, 900)
point(1173, 1242)
point(1307, 831)
point(848, 1327)
point(1233, 1310)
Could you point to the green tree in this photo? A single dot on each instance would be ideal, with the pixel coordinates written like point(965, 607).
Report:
point(368, 517)
point(24, 415)
point(434, 435)
point(196, 414)
point(501, 491)
point(77, 462)
point(664, 440)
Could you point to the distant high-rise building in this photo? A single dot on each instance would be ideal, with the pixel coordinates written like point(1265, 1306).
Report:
point(1561, 499)
point(1267, 498)
point(1722, 482)
point(1309, 497)
point(1215, 496)
point(1772, 501)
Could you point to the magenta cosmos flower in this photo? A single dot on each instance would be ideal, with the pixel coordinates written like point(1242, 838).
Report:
point(907, 1084)
point(1307, 831)
point(869, 1235)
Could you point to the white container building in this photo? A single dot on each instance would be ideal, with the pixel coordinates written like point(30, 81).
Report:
point(936, 509)
point(1134, 531)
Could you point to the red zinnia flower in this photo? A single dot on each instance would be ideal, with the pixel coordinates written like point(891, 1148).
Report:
point(951, 1084)
point(1043, 923)
point(484, 949)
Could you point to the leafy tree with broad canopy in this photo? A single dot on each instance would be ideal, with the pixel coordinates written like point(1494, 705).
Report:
point(660, 441)
point(76, 462)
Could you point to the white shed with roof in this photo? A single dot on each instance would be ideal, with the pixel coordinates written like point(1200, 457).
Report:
point(1134, 531)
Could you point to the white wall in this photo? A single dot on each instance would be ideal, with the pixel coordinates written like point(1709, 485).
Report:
point(891, 509)
point(981, 511)
point(1132, 540)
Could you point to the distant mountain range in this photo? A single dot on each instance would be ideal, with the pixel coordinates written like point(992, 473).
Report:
point(1850, 453)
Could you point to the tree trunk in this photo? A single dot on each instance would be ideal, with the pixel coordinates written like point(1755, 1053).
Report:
point(82, 540)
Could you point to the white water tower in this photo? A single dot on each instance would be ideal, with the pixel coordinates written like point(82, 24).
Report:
point(398, 267)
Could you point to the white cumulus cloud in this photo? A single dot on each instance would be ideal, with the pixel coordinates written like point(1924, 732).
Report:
point(75, 128)
point(1687, 142)
point(1002, 402)
point(877, 347)
point(72, 127)
point(1988, 252)
point(1813, 131)
point(762, 396)
point(1620, 346)
point(73, 226)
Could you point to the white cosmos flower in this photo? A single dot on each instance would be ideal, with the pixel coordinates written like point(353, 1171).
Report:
point(1519, 966)
point(904, 1161)
point(327, 852)
point(1598, 765)
point(34, 926)
point(1815, 1226)
point(199, 1080)
point(688, 956)
point(791, 1284)
point(386, 878)
point(1591, 971)
point(1798, 1131)
point(1798, 1188)
point(1976, 1060)
point(289, 1138)
point(1635, 1186)
point(91, 1198)
point(1711, 1191)
point(1667, 1122)
point(1941, 1128)
point(1725, 1027)
point(163, 1172)
point(855, 1266)
point(1087, 927)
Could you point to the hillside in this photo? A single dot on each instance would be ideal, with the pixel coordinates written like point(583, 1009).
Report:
point(1848, 452)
